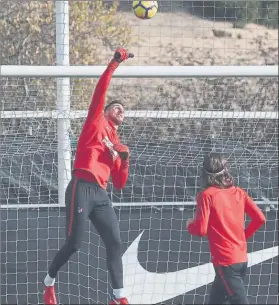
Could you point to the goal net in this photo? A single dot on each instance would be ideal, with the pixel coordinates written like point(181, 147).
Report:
point(171, 122)
point(167, 147)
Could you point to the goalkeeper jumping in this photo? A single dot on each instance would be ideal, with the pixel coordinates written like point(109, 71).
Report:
point(99, 155)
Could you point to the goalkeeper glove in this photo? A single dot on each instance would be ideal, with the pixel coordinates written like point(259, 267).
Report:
point(119, 56)
point(123, 151)
point(122, 54)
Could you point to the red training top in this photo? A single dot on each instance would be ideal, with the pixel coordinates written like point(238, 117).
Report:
point(95, 158)
point(220, 215)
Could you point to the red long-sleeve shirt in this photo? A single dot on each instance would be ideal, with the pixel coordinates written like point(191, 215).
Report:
point(94, 161)
point(220, 215)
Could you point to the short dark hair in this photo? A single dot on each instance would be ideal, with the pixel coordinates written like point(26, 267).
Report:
point(113, 102)
point(215, 171)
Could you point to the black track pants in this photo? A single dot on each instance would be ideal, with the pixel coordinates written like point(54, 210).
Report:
point(88, 200)
point(228, 285)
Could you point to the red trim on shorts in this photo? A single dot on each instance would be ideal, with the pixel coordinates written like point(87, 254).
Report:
point(72, 208)
point(220, 271)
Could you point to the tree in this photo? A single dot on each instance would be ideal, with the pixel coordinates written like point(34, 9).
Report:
point(27, 35)
point(269, 13)
point(238, 12)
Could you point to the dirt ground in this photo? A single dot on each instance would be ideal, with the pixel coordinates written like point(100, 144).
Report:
point(182, 39)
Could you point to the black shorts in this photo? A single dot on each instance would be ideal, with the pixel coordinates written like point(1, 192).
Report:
point(228, 285)
point(88, 200)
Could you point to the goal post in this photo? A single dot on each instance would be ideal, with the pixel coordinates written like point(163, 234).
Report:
point(63, 98)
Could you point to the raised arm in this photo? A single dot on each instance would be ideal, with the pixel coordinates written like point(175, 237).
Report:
point(98, 99)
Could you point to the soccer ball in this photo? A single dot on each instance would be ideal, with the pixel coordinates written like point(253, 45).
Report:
point(145, 9)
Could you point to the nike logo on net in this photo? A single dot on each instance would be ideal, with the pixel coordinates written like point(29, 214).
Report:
point(144, 287)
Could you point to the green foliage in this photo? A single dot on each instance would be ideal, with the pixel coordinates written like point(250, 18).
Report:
point(269, 13)
point(27, 31)
point(27, 35)
point(238, 12)
point(94, 24)
point(24, 30)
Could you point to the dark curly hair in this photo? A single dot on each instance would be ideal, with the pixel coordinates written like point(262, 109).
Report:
point(215, 171)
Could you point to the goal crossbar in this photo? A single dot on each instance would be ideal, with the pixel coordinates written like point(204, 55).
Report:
point(123, 204)
point(64, 114)
point(139, 71)
point(77, 114)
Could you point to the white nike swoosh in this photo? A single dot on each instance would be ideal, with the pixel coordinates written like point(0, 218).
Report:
point(144, 287)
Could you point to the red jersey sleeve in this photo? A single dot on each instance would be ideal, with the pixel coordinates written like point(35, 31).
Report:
point(119, 173)
point(200, 224)
point(256, 215)
point(98, 98)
